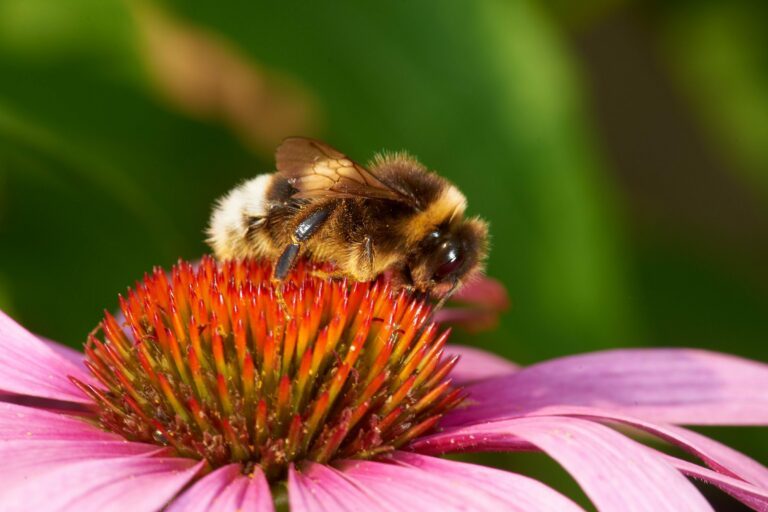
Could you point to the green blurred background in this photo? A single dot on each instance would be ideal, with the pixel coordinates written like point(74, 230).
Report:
point(619, 150)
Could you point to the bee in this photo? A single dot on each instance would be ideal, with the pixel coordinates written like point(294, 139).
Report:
point(393, 216)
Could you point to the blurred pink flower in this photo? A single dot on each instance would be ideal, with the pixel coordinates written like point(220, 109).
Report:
point(57, 457)
point(477, 305)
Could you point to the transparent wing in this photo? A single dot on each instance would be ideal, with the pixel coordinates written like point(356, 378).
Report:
point(317, 170)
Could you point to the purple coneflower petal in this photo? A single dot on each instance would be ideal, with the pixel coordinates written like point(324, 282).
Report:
point(30, 367)
point(255, 495)
point(203, 493)
point(485, 291)
point(131, 484)
point(73, 356)
point(28, 423)
point(321, 488)
point(727, 461)
point(751, 495)
point(404, 488)
point(53, 453)
point(225, 490)
point(665, 385)
point(486, 298)
point(476, 364)
point(616, 472)
point(519, 492)
point(35, 453)
point(716, 455)
point(416, 482)
point(471, 319)
point(31, 458)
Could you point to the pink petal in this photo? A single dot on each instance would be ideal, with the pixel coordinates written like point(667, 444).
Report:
point(27, 423)
point(714, 454)
point(59, 406)
point(438, 484)
point(471, 319)
point(300, 497)
point(41, 443)
point(462, 440)
point(748, 494)
point(226, 489)
point(130, 484)
point(46, 452)
point(476, 364)
point(321, 487)
point(31, 457)
point(616, 472)
point(520, 492)
point(29, 367)
point(485, 291)
point(408, 488)
point(486, 297)
point(257, 496)
point(73, 356)
point(660, 385)
point(200, 497)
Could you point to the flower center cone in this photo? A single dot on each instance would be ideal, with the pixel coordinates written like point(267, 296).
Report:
point(208, 364)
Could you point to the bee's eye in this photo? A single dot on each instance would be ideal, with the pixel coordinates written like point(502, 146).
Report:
point(451, 259)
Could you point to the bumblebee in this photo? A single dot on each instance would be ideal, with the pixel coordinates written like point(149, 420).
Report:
point(392, 216)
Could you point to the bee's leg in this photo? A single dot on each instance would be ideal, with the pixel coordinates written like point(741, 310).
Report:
point(281, 299)
point(284, 264)
point(287, 259)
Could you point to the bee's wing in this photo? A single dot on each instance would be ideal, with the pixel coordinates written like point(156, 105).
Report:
point(317, 170)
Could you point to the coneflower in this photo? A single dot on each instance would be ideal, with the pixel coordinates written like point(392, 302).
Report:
point(208, 364)
point(206, 395)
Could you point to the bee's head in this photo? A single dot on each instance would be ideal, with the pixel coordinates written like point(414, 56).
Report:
point(448, 255)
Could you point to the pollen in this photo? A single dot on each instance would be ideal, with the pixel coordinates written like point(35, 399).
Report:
point(207, 363)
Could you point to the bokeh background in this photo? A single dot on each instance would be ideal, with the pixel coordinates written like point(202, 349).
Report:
point(619, 150)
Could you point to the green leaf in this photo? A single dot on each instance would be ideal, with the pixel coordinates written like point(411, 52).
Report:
point(100, 180)
point(720, 59)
